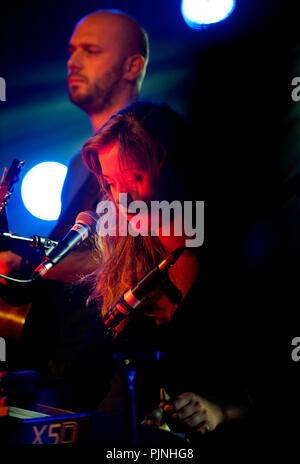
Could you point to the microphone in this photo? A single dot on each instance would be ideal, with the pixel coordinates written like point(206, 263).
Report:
point(133, 297)
point(84, 226)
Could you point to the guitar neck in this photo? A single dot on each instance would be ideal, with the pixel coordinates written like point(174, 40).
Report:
point(9, 178)
point(3, 219)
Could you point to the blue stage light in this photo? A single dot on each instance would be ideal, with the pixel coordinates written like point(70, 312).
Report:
point(198, 13)
point(41, 190)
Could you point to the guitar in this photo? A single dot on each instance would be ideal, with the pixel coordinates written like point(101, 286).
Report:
point(12, 318)
point(6, 187)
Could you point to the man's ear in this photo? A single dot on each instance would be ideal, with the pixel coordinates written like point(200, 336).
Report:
point(134, 67)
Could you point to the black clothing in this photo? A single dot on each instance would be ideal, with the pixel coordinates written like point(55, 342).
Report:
point(195, 352)
point(80, 193)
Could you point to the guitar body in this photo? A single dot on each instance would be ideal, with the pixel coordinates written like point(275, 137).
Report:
point(12, 320)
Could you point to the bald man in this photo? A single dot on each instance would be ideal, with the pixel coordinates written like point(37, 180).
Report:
point(107, 64)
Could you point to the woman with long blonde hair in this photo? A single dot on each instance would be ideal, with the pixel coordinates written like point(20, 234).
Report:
point(143, 152)
point(137, 153)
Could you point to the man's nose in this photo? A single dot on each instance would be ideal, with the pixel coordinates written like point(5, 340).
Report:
point(75, 60)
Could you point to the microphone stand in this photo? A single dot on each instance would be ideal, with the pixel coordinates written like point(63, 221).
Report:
point(127, 369)
point(128, 366)
point(35, 241)
point(157, 278)
point(39, 244)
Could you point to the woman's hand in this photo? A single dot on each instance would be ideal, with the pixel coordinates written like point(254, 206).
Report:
point(195, 412)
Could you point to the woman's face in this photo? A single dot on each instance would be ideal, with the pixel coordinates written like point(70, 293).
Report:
point(126, 178)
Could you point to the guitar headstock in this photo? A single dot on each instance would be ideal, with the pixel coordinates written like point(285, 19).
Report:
point(9, 178)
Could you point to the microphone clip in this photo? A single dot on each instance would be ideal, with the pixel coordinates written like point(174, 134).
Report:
point(166, 285)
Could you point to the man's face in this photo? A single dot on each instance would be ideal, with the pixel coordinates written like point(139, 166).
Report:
point(96, 63)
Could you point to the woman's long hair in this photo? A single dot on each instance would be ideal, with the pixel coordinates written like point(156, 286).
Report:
point(147, 133)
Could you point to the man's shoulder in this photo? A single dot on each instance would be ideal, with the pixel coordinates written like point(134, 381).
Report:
point(76, 161)
point(77, 172)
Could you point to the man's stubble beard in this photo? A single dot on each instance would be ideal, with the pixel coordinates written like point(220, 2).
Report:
point(100, 94)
